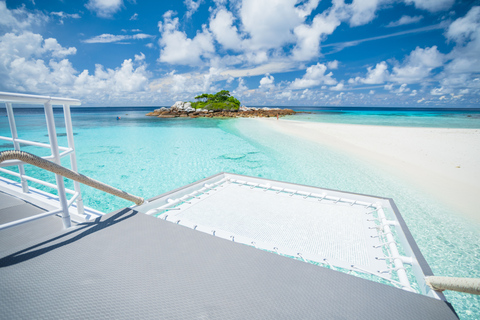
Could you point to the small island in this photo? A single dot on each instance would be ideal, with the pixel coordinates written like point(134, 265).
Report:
point(218, 105)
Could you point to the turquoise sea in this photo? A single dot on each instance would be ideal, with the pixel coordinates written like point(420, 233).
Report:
point(148, 156)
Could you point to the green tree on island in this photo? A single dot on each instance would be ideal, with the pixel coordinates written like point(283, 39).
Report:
point(221, 100)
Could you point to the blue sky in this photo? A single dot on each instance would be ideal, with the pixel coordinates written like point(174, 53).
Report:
point(412, 53)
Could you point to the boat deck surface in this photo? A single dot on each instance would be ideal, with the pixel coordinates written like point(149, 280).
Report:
point(130, 265)
point(13, 208)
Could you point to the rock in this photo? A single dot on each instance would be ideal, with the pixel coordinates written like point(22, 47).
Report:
point(181, 109)
point(178, 106)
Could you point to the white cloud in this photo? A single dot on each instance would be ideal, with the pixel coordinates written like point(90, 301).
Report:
point(192, 7)
point(339, 87)
point(30, 63)
point(405, 20)
point(378, 75)
point(270, 67)
point(338, 46)
point(431, 5)
point(62, 15)
point(104, 8)
point(418, 65)
point(309, 37)
point(332, 64)
point(314, 76)
point(242, 89)
point(177, 48)
point(284, 95)
point(220, 3)
point(106, 38)
point(56, 49)
point(134, 17)
point(139, 57)
point(466, 33)
point(269, 23)
point(466, 27)
point(224, 31)
point(267, 82)
point(20, 19)
point(438, 91)
point(400, 90)
point(111, 38)
point(114, 82)
point(363, 11)
point(306, 8)
point(186, 86)
point(29, 45)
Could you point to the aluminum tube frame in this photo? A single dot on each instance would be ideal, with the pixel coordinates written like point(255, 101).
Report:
point(398, 263)
point(73, 156)
point(52, 135)
point(43, 183)
point(33, 143)
point(16, 145)
point(35, 99)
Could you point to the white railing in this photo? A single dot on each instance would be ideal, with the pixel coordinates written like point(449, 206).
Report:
point(57, 152)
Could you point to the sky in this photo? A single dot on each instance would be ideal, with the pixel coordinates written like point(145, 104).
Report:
point(385, 53)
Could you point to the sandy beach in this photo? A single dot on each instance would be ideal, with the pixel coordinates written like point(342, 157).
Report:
point(442, 162)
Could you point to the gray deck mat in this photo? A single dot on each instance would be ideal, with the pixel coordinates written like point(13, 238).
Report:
point(130, 265)
point(11, 209)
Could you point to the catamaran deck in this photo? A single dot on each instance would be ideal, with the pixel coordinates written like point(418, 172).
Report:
point(13, 208)
point(357, 233)
point(131, 265)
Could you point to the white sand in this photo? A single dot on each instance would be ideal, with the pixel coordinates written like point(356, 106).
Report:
point(443, 162)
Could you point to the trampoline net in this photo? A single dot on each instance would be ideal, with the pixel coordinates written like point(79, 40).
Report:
point(316, 227)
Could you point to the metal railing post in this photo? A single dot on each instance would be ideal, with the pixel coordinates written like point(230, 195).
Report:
point(73, 156)
point(52, 135)
point(16, 145)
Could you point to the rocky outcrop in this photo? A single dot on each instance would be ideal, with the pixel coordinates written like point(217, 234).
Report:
point(184, 109)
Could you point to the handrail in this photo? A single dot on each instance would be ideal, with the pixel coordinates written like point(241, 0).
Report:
point(35, 99)
point(57, 152)
point(67, 173)
point(467, 285)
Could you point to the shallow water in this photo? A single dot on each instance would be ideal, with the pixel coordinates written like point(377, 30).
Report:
point(148, 156)
point(433, 118)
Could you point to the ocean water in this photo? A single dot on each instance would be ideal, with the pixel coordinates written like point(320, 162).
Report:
point(148, 156)
point(434, 118)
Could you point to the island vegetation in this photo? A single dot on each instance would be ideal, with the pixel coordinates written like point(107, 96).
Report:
point(218, 105)
point(221, 100)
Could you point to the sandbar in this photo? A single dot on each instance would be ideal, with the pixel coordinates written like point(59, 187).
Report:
point(444, 162)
